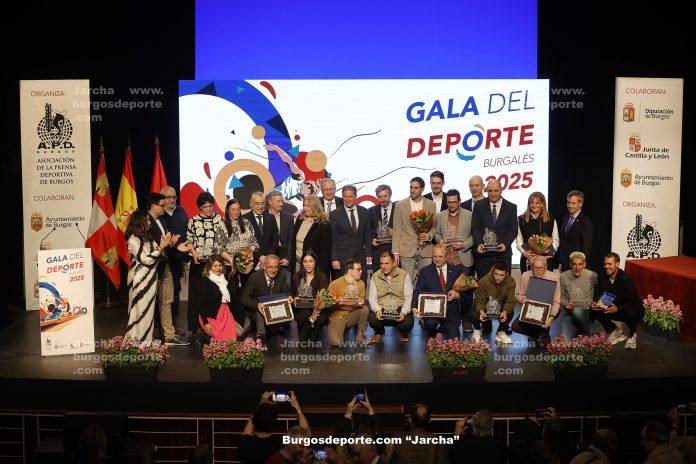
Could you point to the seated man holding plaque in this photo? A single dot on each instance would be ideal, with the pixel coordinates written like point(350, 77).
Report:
point(348, 292)
point(434, 299)
point(390, 299)
point(266, 301)
point(495, 299)
point(539, 294)
point(615, 299)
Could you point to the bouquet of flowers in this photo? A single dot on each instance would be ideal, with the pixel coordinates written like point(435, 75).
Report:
point(580, 351)
point(422, 221)
point(539, 245)
point(126, 351)
point(243, 260)
point(457, 353)
point(465, 282)
point(247, 354)
point(665, 314)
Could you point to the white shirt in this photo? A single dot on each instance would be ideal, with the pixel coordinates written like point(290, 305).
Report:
point(416, 206)
point(438, 201)
point(159, 224)
point(328, 204)
point(355, 214)
point(497, 206)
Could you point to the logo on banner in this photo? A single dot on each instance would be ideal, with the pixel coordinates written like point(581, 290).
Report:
point(54, 130)
point(626, 178)
point(634, 142)
point(643, 240)
point(629, 112)
point(36, 221)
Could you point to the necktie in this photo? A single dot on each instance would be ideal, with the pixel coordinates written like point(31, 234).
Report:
point(443, 282)
point(571, 220)
point(270, 284)
point(330, 207)
point(384, 215)
point(494, 213)
point(259, 218)
point(352, 219)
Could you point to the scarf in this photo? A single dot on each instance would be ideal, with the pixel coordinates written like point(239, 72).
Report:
point(221, 282)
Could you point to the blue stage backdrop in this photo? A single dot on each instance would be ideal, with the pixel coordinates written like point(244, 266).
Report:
point(361, 39)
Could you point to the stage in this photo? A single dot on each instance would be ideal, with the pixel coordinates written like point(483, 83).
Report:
point(393, 372)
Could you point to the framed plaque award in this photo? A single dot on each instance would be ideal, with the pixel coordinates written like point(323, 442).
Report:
point(537, 309)
point(276, 308)
point(432, 305)
point(391, 314)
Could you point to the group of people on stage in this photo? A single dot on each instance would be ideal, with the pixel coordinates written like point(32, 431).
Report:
point(324, 256)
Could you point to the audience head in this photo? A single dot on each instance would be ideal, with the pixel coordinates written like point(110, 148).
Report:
point(482, 424)
point(361, 452)
point(420, 416)
point(653, 435)
point(91, 443)
point(606, 441)
point(298, 451)
point(264, 417)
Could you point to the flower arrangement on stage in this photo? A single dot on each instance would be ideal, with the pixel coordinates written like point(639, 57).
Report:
point(664, 314)
point(457, 353)
point(580, 351)
point(246, 354)
point(126, 351)
point(539, 244)
point(422, 221)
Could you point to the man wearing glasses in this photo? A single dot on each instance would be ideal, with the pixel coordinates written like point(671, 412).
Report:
point(175, 220)
point(350, 309)
point(265, 228)
point(165, 284)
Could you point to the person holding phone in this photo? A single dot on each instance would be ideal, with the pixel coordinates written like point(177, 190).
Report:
point(418, 425)
point(258, 443)
point(476, 442)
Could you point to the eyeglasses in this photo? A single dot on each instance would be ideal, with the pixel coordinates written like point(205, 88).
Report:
point(172, 197)
point(161, 205)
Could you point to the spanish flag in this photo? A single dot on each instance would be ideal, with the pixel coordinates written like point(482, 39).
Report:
point(126, 203)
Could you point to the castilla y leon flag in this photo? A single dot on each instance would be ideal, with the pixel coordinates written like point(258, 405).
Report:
point(159, 178)
point(102, 236)
point(126, 203)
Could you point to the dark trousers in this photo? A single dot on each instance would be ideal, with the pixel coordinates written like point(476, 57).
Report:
point(449, 326)
point(305, 329)
point(177, 271)
point(631, 318)
point(194, 297)
point(531, 330)
point(404, 326)
point(271, 331)
point(487, 326)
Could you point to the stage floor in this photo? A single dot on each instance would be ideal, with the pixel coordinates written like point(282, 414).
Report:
point(391, 361)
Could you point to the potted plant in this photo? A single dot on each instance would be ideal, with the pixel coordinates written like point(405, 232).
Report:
point(457, 360)
point(128, 359)
point(582, 358)
point(234, 360)
point(662, 318)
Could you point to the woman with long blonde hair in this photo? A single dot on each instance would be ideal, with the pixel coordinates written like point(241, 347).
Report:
point(312, 232)
point(536, 221)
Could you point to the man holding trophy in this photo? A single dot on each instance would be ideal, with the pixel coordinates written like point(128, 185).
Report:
point(382, 224)
point(494, 227)
point(495, 299)
point(390, 299)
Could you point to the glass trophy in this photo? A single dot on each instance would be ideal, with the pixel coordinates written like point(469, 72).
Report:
point(490, 240)
point(492, 309)
point(383, 236)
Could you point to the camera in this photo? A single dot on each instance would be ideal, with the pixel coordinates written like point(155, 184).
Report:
point(281, 397)
point(681, 408)
point(541, 413)
point(468, 421)
point(320, 455)
point(360, 395)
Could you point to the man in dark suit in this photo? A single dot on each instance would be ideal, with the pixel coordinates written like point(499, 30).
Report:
point(350, 234)
point(285, 223)
point(439, 277)
point(270, 280)
point(265, 227)
point(381, 215)
point(576, 231)
point(476, 189)
point(175, 221)
point(500, 216)
point(437, 181)
point(328, 199)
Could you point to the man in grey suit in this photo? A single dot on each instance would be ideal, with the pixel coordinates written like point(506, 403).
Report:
point(351, 234)
point(406, 243)
point(453, 228)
